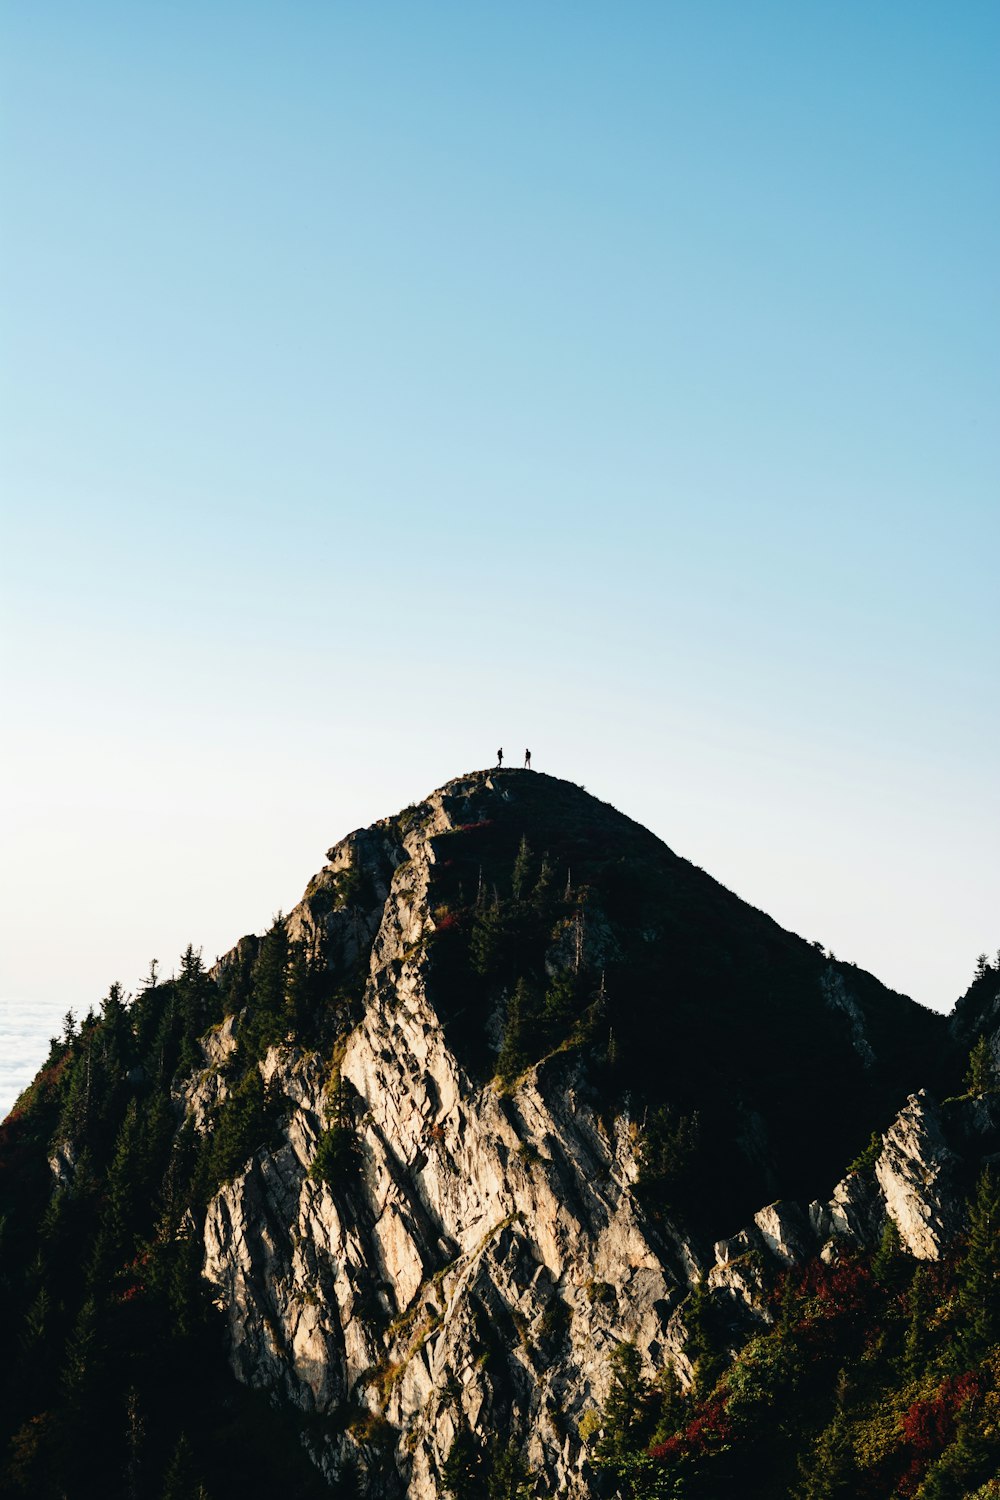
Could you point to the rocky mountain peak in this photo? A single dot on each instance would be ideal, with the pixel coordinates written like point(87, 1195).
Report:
point(566, 1064)
point(513, 1088)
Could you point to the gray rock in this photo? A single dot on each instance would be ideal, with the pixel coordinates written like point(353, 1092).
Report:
point(490, 1253)
point(916, 1172)
point(465, 1277)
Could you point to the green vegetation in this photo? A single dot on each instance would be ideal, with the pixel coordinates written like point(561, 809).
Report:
point(981, 1076)
point(114, 1380)
point(880, 1376)
point(668, 1158)
point(474, 1470)
point(336, 1159)
point(638, 1414)
point(869, 1156)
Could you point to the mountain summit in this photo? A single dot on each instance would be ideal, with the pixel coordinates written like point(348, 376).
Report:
point(544, 924)
point(483, 1124)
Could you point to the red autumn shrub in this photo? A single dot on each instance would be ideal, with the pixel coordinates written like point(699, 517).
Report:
point(708, 1428)
point(845, 1287)
point(929, 1426)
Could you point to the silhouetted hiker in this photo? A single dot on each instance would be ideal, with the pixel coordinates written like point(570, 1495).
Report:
point(527, 760)
point(500, 756)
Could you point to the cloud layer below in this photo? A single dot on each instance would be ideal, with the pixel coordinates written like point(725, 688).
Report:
point(25, 1029)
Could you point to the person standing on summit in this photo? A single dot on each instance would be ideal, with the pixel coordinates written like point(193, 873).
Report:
point(527, 760)
point(500, 757)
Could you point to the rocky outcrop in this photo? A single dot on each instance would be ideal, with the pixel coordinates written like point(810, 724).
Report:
point(202, 1094)
point(478, 1272)
point(476, 1264)
point(480, 1264)
point(917, 1175)
point(919, 1181)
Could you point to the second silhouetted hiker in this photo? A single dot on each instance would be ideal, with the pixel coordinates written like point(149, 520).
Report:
point(527, 760)
point(500, 756)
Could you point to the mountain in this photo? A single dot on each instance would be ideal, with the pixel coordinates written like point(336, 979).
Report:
point(479, 1174)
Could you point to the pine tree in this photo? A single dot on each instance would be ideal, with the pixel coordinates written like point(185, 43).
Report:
point(888, 1264)
point(267, 1022)
point(175, 1192)
point(667, 1152)
point(507, 1477)
point(158, 1029)
point(830, 1473)
point(194, 1009)
point(241, 1129)
point(54, 1220)
point(517, 1033)
point(703, 1346)
point(560, 1006)
point(82, 1360)
point(337, 1159)
point(979, 1294)
point(187, 1292)
point(298, 986)
point(965, 1461)
point(34, 1366)
point(627, 1408)
point(180, 1481)
point(521, 873)
point(124, 1183)
point(672, 1405)
point(462, 1471)
point(36, 1322)
point(156, 1136)
point(981, 1076)
point(75, 1117)
point(542, 893)
point(916, 1341)
point(116, 1034)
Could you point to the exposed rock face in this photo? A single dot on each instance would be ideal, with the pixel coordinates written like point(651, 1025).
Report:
point(919, 1181)
point(481, 1267)
point(489, 1251)
point(209, 1088)
point(916, 1173)
point(467, 1261)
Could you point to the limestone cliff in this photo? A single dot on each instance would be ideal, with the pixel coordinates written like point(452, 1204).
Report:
point(490, 1239)
point(501, 1167)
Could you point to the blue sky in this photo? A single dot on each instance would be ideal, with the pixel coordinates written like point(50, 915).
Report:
point(381, 382)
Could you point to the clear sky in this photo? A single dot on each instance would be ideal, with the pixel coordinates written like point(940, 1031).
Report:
point(384, 382)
